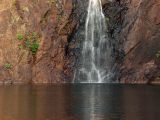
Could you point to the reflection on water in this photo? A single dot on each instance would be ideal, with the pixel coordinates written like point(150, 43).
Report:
point(80, 102)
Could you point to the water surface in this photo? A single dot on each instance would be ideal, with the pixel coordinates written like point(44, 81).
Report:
point(80, 102)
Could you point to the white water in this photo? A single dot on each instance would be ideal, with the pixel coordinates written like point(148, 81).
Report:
point(96, 54)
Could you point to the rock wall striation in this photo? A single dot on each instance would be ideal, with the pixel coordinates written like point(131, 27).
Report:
point(52, 22)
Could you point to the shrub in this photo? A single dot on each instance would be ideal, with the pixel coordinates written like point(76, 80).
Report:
point(34, 47)
point(20, 46)
point(8, 66)
point(29, 41)
point(20, 37)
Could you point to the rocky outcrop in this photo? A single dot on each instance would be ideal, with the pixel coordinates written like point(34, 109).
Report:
point(41, 40)
point(52, 22)
point(140, 34)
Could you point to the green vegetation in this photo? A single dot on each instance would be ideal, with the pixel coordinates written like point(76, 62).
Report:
point(29, 41)
point(34, 47)
point(20, 47)
point(20, 37)
point(158, 54)
point(51, 1)
point(8, 66)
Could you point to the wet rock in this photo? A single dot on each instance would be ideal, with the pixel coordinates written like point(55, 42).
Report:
point(141, 36)
point(133, 29)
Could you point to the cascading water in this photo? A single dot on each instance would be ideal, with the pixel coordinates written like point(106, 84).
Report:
point(95, 61)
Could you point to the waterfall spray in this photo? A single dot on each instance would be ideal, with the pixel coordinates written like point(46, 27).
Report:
point(95, 61)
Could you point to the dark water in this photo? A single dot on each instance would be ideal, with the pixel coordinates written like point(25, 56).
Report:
point(80, 102)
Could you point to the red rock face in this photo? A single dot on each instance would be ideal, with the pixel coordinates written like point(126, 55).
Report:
point(141, 36)
point(44, 18)
point(54, 23)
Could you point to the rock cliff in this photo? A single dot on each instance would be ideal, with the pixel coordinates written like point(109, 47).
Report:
point(141, 42)
point(134, 30)
point(40, 40)
point(52, 23)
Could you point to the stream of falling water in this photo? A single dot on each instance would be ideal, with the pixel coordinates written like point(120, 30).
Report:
point(95, 62)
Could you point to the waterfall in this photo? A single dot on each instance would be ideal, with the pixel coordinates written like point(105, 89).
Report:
point(95, 60)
